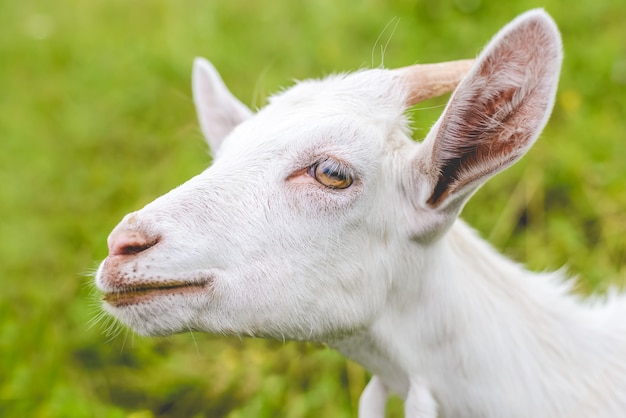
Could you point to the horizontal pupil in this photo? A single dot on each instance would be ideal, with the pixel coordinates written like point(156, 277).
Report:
point(331, 172)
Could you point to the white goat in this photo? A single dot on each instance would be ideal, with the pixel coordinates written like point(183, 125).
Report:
point(321, 220)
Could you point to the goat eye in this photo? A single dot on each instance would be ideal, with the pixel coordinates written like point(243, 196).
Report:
point(331, 174)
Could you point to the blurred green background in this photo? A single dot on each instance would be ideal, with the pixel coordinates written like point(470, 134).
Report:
point(96, 120)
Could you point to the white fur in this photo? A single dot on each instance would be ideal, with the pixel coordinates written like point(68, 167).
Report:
point(382, 270)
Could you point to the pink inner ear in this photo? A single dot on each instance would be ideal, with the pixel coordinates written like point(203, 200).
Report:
point(499, 110)
point(485, 142)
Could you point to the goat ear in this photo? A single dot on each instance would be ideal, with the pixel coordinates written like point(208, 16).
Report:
point(218, 110)
point(495, 114)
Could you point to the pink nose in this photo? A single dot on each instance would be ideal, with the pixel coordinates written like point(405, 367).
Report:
point(127, 242)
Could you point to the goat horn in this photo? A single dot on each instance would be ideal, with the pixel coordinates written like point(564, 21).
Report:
point(426, 81)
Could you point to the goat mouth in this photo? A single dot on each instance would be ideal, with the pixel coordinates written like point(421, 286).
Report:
point(126, 296)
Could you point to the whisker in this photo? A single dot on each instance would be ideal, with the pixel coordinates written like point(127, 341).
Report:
point(376, 42)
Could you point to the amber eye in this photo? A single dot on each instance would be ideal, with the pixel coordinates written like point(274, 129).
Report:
point(331, 174)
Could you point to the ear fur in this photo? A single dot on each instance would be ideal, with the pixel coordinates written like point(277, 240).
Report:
point(218, 110)
point(495, 114)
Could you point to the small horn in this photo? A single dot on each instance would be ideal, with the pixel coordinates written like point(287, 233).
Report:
point(426, 81)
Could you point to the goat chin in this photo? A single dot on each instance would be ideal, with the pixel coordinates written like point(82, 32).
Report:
point(321, 220)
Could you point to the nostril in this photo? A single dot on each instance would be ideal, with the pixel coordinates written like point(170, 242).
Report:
point(134, 249)
point(127, 242)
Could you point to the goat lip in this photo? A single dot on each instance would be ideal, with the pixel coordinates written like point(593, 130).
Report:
point(133, 295)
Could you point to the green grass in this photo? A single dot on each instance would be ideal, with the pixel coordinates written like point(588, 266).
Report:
point(96, 120)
